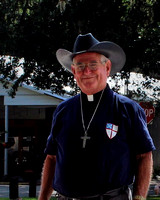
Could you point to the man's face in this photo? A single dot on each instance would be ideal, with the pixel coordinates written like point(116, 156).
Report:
point(90, 72)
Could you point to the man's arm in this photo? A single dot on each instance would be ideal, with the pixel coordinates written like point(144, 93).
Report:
point(143, 175)
point(47, 177)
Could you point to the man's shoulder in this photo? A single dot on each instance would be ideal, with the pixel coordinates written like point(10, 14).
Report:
point(123, 98)
point(69, 102)
point(127, 102)
point(67, 105)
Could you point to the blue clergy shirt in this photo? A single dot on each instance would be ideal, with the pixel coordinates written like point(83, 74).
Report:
point(117, 134)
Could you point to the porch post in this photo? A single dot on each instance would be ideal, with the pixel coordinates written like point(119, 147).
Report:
point(6, 140)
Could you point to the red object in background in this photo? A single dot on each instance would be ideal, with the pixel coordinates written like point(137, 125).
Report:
point(149, 110)
point(5, 145)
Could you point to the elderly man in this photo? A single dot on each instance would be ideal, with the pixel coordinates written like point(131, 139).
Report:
point(99, 142)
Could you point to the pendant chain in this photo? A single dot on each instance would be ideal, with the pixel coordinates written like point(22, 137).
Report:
point(85, 130)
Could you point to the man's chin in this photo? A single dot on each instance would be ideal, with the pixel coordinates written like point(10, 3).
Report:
point(89, 89)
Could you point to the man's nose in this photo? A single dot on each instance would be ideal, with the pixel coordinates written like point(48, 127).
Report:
point(87, 70)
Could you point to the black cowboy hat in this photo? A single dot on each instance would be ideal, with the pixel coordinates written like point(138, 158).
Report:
point(88, 43)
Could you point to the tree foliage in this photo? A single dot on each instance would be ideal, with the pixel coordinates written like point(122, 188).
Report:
point(35, 29)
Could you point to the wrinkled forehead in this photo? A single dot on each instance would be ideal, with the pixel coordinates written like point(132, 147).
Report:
point(88, 56)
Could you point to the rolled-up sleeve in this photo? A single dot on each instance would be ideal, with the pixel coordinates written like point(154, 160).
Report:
point(141, 137)
point(51, 146)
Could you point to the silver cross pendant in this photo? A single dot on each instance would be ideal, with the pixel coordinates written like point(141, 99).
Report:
point(85, 138)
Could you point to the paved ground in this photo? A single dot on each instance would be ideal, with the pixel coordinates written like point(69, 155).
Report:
point(24, 189)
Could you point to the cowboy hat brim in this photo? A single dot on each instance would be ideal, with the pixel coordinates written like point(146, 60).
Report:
point(109, 49)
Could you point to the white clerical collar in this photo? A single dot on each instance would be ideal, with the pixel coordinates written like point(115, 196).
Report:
point(90, 97)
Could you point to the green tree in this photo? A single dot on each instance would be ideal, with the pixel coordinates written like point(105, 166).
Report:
point(35, 29)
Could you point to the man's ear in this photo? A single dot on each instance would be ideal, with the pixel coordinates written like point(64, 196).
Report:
point(73, 69)
point(108, 67)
